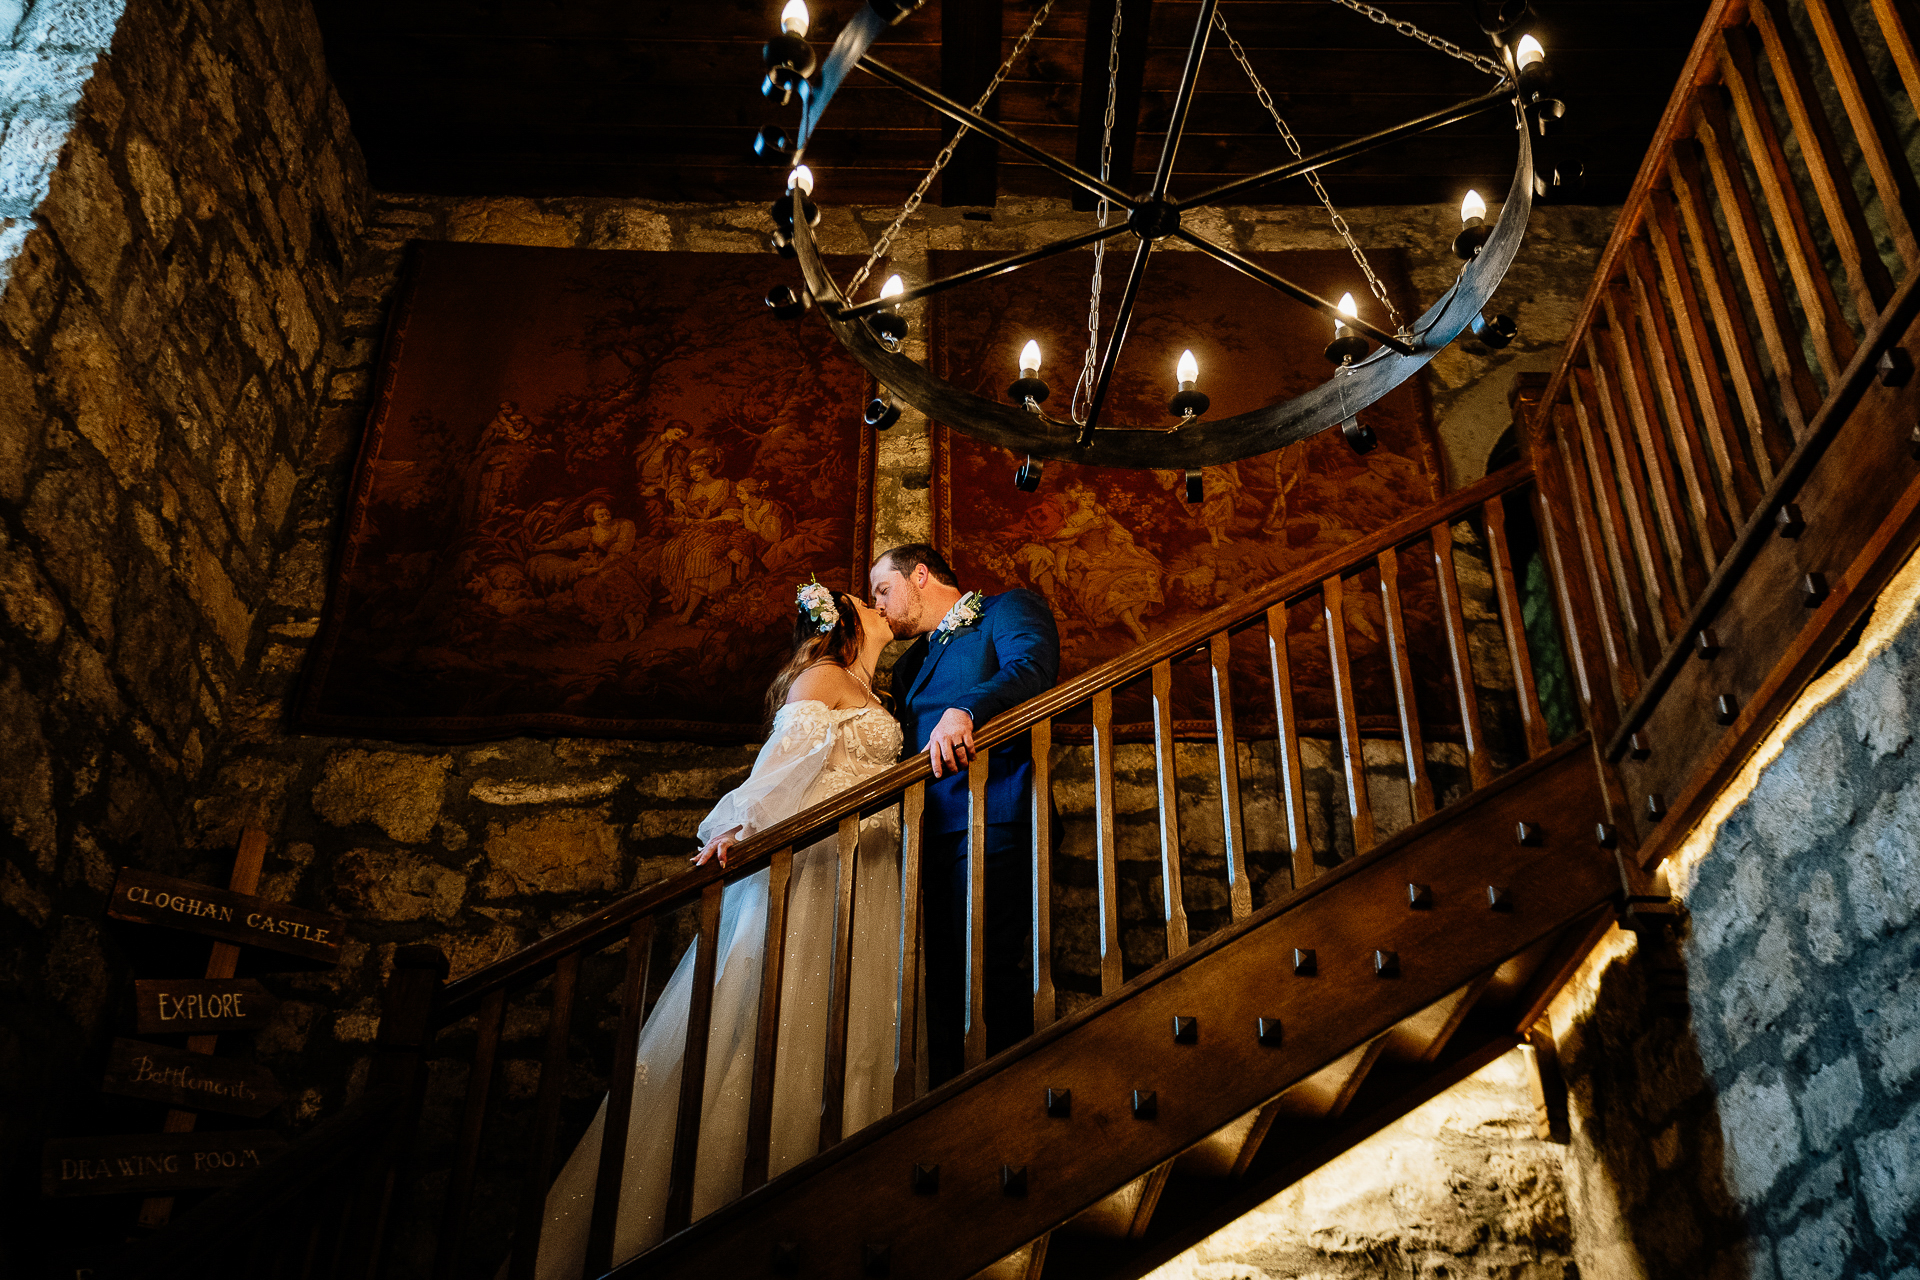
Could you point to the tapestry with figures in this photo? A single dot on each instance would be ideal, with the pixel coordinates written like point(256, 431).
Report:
point(1121, 555)
point(589, 483)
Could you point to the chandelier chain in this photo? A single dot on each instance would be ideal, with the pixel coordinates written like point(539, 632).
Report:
point(1313, 179)
point(885, 242)
point(1090, 367)
point(1412, 32)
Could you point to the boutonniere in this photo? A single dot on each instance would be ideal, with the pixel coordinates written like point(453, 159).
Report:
point(965, 612)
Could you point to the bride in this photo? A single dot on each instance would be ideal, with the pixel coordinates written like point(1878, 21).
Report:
point(828, 733)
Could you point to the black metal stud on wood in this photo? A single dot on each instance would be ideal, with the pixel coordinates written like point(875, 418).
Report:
point(1386, 964)
point(926, 1179)
point(1304, 964)
point(1788, 522)
point(1013, 1180)
point(1529, 834)
point(1638, 747)
point(1913, 444)
point(1060, 1103)
point(1420, 897)
point(1895, 368)
point(1706, 645)
point(1267, 1031)
point(1725, 709)
point(876, 1259)
point(1606, 835)
point(786, 1258)
point(1813, 590)
point(1186, 1030)
point(1656, 806)
point(1498, 898)
point(1146, 1104)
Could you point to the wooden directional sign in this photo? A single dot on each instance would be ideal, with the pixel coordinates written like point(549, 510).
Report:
point(201, 1006)
point(195, 1080)
point(146, 898)
point(143, 1162)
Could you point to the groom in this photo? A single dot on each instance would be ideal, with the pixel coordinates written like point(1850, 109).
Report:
point(975, 657)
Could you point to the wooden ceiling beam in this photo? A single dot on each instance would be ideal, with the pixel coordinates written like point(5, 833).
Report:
point(1135, 26)
point(969, 55)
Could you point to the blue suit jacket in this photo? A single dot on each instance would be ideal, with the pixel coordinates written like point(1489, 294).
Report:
point(1010, 655)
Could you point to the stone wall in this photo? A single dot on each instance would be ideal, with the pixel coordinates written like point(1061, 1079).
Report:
point(1457, 1188)
point(175, 231)
point(1777, 1132)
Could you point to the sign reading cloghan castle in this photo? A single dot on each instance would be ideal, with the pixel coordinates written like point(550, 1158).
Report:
point(146, 898)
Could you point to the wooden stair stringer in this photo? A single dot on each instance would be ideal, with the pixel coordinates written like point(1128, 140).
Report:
point(859, 1194)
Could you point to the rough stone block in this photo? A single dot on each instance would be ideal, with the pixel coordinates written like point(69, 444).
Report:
point(1829, 1101)
point(1883, 864)
point(401, 794)
point(1886, 1007)
point(1761, 986)
point(1890, 1177)
point(391, 886)
point(45, 83)
point(1762, 1132)
point(92, 384)
point(213, 590)
point(1823, 1247)
point(73, 512)
point(70, 24)
point(87, 212)
point(511, 220)
point(29, 151)
point(563, 851)
point(1828, 939)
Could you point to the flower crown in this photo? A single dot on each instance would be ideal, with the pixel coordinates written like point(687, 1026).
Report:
point(818, 602)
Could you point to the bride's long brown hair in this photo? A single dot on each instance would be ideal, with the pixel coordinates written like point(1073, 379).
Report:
point(839, 645)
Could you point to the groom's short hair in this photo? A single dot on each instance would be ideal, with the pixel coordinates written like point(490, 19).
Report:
point(905, 559)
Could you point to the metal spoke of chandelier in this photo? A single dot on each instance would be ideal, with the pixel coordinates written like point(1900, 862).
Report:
point(871, 330)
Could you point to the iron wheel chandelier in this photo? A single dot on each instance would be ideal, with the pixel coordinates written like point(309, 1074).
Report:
point(1368, 361)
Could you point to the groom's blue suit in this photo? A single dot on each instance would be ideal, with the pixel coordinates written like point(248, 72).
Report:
point(1011, 654)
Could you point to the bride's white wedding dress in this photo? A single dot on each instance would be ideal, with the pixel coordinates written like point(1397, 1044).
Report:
point(814, 752)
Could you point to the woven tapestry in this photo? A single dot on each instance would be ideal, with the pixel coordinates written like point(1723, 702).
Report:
point(1120, 554)
point(588, 485)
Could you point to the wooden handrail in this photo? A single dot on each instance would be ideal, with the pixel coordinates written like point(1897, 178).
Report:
point(603, 927)
point(1701, 66)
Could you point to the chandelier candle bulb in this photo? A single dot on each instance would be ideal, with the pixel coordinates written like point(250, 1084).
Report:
point(802, 177)
point(1187, 402)
point(1473, 210)
point(887, 323)
point(795, 19)
point(1473, 227)
point(1528, 52)
point(1347, 308)
point(1347, 346)
point(1028, 390)
point(1030, 358)
point(1534, 75)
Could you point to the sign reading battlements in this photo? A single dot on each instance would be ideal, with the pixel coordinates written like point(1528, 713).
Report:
point(146, 898)
point(196, 1080)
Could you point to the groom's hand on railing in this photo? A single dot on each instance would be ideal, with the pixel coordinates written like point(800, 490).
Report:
point(951, 745)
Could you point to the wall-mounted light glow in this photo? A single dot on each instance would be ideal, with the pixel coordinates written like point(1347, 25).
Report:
point(1528, 52)
point(1030, 358)
point(1472, 209)
point(1187, 372)
point(794, 17)
point(802, 177)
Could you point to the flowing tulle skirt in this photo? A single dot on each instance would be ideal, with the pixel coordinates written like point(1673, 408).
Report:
point(800, 1065)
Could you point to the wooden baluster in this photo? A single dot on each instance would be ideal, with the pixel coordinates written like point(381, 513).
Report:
point(1479, 768)
point(1419, 782)
point(449, 1258)
point(613, 1134)
point(1770, 440)
point(1044, 996)
point(1655, 459)
point(1172, 889)
point(1764, 294)
point(1608, 628)
point(693, 1063)
point(1590, 651)
point(1293, 790)
point(1898, 24)
point(546, 1120)
point(1663, 363)
point(1642, 645)
point(1873, 125)
point(1239, 890)
point(1668, 616)
point(974, 1051)
point(1106, 858)
point(1737, 484)
point(1352, 749)
point(1506, 592)
point(833, 1090)
point(906, 1028)
point(766, 1034)
point(1833, 339)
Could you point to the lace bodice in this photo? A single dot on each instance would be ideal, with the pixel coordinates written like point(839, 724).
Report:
point(815, 752)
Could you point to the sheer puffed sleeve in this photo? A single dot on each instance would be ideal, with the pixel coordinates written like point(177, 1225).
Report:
point(793, 758)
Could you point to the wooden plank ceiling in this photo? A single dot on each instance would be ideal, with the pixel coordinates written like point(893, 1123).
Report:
point(659, 98)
